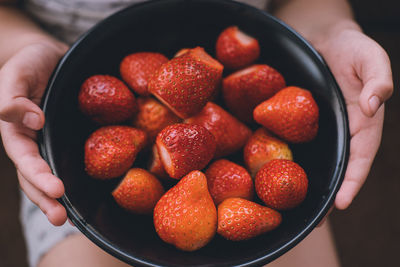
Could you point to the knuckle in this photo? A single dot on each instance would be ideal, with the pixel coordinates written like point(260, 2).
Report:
point(386, 89)
point(4, 109)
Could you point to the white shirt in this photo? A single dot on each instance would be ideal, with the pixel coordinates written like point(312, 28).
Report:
point(68, 19)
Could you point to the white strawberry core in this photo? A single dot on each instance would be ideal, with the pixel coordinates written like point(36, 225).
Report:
point(244, 38)
point(165, 157)
point(205, 58)
point(155, 159)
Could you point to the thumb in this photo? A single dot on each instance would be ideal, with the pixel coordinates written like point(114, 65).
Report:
point(17, 85)
point(376, 76)
point(23, 111)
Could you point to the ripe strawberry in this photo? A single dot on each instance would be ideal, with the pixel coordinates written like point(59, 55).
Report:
point(106, 100)
point(184, 148)
point(138, 191)
point(153, 117)
point(155, 165)
point(263, 147)
point(230, 134)
point(111, 150)
point(281, 184)
point(137, 68)
point(226, 179)
point(186, 83)
point(240, 219)
point(235, 49)
point(245, 89)
point(292, 114)
point(186, 216)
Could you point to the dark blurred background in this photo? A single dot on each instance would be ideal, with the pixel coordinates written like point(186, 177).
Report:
point(366, 234)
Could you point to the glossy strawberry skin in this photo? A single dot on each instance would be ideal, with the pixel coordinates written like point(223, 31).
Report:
point(184, 148)
point(111, 150)
point(230, 134)
point(243, 90)
point(153, 117)
point(233, 53)
point(292, 114)
point(137, 68)
point(281, 184)
point(138, 192)
point(263, 147)
point(226, 179)
point(186, 83)
point(106, 100)
point(240, 219)
point(186, 216)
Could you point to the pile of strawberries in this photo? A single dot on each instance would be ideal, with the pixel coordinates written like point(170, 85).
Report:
point(167, 110)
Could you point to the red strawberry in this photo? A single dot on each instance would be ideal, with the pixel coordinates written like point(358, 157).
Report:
point(139, 138)
point(245, 89)
point(153, 117)
point(186, 83)
point(111, 150)
point(106, 100)
point(226, 179)
point(137, 68)
point(186, 216)
point(235, 49)
point(292, 114)
point(138, 192)
point(261, 148)
point(240, 219)
point(281, 184)
point(184, 148)
point(155, 165)
point(230, 134)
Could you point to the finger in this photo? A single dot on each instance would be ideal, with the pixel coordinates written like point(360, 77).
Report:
point(363, 147)
point(54, 211)
point(355, 177)
point(22, 111)
point(15, 105)
point(23, 151)
point(71, 223)
point(325, 218)
point(40, 176)
point(375, 73)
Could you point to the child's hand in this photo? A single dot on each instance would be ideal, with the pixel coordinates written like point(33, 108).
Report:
point(23, 79)
point(362, 70)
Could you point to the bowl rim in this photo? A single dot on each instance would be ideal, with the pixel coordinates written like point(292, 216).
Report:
point(104, 243)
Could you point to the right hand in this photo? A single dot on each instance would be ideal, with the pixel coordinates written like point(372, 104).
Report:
point(23, 79)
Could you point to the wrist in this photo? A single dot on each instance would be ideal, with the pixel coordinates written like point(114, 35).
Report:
point(322, 38)
point(44, 40)
point(25, 39)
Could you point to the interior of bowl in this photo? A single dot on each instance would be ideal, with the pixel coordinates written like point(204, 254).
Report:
point(167, 26)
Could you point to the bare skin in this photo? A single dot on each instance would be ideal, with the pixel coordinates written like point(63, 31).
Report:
point(316, 250)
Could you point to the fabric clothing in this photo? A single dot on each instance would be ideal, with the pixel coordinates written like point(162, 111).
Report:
point(40, 235)
point(67, 20)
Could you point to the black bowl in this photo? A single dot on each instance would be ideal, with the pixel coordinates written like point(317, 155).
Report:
point(167, 26)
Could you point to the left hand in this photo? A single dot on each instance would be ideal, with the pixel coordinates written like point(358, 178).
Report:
point(362, 69)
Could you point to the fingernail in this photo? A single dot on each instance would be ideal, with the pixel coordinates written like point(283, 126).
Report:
point(374, 103)
point(31, 120)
